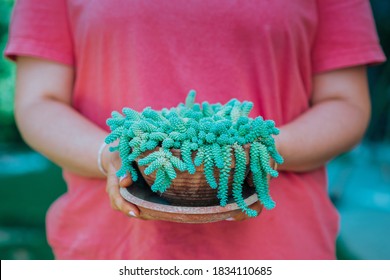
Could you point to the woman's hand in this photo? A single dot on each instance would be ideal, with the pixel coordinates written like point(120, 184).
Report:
point(112, 164)
point(242, 216)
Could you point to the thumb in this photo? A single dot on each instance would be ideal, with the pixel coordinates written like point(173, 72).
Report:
point(125, 180)
point(257, 206)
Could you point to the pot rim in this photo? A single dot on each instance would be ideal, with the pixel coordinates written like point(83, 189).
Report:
point(184, 209)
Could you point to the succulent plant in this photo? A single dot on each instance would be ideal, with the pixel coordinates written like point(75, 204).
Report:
point(215, 133)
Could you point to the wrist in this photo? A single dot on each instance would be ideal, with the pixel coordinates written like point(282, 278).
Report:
point(102, 159)
point(106, 156)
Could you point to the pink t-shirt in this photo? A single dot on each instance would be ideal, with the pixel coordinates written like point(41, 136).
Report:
point(151, 53)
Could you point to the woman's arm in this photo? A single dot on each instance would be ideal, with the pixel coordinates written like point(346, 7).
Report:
point(336, 121)
point(50, 125)
point(47, 121)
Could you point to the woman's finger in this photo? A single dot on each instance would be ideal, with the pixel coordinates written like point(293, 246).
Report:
point(125, 181)
point(257, 206)
point(117, 201)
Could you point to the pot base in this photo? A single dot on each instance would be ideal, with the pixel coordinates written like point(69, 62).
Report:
point(153, 206)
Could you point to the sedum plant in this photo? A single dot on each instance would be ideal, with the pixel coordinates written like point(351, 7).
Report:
point(213, 133)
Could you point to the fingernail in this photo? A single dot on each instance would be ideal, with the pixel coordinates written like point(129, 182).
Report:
point(122, 177)
point(131, 213)
point(230, 219)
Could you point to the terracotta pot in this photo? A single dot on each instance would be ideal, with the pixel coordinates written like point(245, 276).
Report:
point(154, 207)
point(191, 189)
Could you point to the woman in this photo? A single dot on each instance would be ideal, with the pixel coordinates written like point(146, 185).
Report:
point(302, 64)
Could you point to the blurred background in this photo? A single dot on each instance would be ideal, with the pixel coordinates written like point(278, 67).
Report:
point(359, 181)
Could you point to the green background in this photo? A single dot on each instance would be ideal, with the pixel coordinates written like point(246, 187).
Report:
point(359, 181)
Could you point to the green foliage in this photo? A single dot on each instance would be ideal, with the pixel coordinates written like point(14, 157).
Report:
point(379, 78)
point(163, 163)
point(209, 167)
point(259, 166)
point(9, 132)
point(224, 175)
point(213, 133)
point(238, 178)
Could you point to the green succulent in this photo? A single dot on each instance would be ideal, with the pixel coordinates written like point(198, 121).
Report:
point(213, 133)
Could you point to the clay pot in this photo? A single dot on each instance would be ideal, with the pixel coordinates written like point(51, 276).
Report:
point(156, 208)
point(191, 189)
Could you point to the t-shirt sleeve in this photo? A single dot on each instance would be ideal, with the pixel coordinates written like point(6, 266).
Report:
point(346, 36)
point(40, 29)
